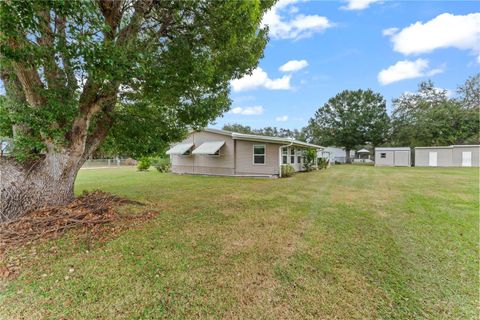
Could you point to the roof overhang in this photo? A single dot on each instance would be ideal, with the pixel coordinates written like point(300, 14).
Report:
point(452, 146)
point(276, 140)
point(392, 149)
point(180, 148)
point(260, 138)
point(209, 148)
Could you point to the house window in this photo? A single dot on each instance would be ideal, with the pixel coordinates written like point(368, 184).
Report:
point(284, 156)
point(383, 155)
point(299, 156)
point(292, 155)
point(259, 154)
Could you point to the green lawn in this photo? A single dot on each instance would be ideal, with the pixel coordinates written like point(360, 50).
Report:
point(352, 242)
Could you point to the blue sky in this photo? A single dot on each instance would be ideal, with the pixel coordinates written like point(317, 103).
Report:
point(387, 46)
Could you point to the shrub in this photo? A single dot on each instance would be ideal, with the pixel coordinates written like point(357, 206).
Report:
point(287, 170)
point(161, 164)
point(322, 163)
point(163, 167)
point(309, 160)
point(143, 164)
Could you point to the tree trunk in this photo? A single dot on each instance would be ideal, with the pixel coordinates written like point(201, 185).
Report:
point(49, 181)
point(347, 156)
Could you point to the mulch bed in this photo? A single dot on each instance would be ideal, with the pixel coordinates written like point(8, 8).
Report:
point(92, 213)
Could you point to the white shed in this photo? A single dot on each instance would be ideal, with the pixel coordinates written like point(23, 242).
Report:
point(448, 156)
point(394, 157)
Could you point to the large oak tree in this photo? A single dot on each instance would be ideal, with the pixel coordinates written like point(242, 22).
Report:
point(139, 72)
point(350, 119)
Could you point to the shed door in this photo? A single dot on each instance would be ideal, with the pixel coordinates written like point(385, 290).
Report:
point(402, 158)
point(432, 159)
point(466, 159)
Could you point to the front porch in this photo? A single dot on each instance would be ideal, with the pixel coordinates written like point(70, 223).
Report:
point(294, 156)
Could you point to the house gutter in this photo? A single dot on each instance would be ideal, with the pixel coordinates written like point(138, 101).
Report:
point(280, 158)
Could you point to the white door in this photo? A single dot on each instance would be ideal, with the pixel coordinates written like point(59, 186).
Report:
point(432, 159)
point(402, 158)
point(466, 159)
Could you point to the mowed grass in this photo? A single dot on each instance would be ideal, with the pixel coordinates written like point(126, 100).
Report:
point(352, 242)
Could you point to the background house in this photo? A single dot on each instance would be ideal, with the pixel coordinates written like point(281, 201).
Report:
point(337, 154)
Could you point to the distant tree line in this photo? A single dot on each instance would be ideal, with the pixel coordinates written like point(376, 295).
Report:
point(428, 117)
point(267, 131)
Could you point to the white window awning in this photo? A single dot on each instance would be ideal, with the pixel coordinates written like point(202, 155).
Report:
point(180, 148)
point(210, 147)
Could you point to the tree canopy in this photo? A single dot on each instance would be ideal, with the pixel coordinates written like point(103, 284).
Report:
point(429, 117)
point(135, 73)
point(350, 119)
point(138, 71)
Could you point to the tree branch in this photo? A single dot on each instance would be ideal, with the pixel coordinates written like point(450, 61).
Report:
point(61, 23)
point(31, 83)
point(91, 100)
point(52, 72)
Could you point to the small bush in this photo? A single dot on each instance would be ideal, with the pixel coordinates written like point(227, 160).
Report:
point(309, 160)
point(163, 168)
point(287, 170)
point(143, 164)
point(161, 164)
point(322, 163)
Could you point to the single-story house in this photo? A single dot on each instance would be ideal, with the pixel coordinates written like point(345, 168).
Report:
point(220, 152)
point(336, 154)
point(449, 156)
point(394, 157)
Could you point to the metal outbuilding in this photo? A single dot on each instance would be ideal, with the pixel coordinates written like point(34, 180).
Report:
point(449, 156)
point(393, 157)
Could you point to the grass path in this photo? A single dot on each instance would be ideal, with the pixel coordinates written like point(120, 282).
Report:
point(347, 243)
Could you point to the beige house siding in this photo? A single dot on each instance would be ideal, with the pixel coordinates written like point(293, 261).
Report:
point(244, 158)
point(176, 168)
point(206, 164)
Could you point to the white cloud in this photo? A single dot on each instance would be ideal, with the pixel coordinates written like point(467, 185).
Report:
point(297, 27)
point(389, 31)
point(444, 31)
point(293, 65)
point(358, 4)
point(248, 111)
point(449, 93)
point(406, 69)
point(281, 118)
point(260, 79)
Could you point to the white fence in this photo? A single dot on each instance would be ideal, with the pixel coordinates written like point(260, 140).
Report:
point(109, 163)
